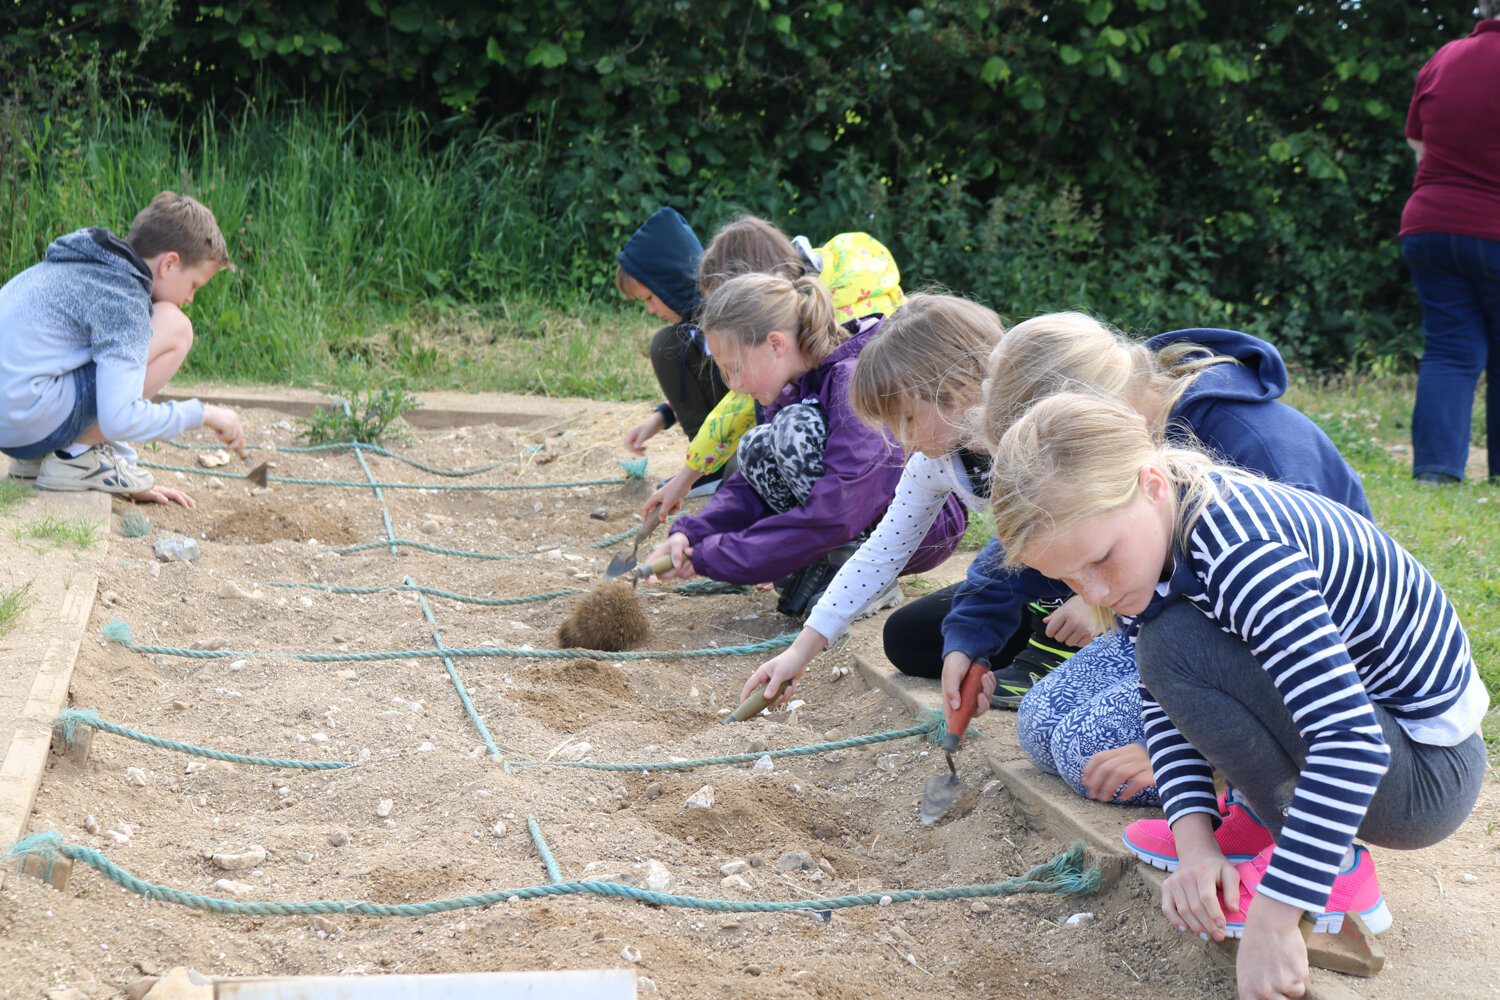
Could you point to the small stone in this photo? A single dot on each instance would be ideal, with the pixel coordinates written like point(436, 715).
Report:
point(305, 601)
point(232, 888)
point(756, 859)
point(657, 878)
point(66, 993)
point(734, 867)
point(575, 751)
point(885, 901)
point(703, 798)
point(118, 836)
point(325, 925)
point(231, 591)
point(653, 790)
point(600, 513)
point(429, 527)
point(179, 706)
point(755, 745)
point(764, 764)
point(752, 970)
point(172, 548)
point(318, 737)
point(835, 674)
point(1078, 919)
point(135, 777)
point(248, 858)
point(346, 675)
point(1469, 878)
point(91, 824)
point(795, 704)
point(213, 459)
point(827, 867)
point(630, 954)
point(388, 824)
point(979, 906)
point(338, 838)
point(498, 830)
point(213, 642)
point(793, 861)
point(384, 808)
point(735, 882)
point(306, 857)
point(645, 984)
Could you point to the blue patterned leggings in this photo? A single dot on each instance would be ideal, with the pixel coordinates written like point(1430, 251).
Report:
point(1090, 703)
point(783, 460)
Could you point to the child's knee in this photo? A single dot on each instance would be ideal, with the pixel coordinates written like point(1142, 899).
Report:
point(171, 330)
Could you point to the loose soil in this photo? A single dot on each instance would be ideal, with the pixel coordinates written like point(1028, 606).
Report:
point(457, 822)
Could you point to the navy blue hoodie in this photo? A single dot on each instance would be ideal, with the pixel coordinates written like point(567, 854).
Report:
point(1236, 414)
point(663, 255)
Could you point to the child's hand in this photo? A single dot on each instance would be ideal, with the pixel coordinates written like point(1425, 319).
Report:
point(1190, 895)
point(678, 547)
point(225, 424)
point(1073, 623)
point(786, 666)
point(669, 495)
point(1272, 959)
point(955, 666)
point(164, 494)
point(637, 436)
point(1107, 770)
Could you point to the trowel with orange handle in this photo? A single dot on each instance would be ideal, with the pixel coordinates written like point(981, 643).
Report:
point(942, 790)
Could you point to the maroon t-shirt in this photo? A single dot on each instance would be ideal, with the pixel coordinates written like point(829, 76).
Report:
point(1455, 112)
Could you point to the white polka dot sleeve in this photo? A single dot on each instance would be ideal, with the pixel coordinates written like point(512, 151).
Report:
point(925, 485)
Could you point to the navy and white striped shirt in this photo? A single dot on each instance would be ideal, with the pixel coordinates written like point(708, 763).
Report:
point(1340, 616)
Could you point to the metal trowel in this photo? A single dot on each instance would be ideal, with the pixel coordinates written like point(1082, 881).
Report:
point(942, 790)
point(622, 564)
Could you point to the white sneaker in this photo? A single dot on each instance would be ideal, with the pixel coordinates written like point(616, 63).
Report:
point(25, 468)
point(99, 468)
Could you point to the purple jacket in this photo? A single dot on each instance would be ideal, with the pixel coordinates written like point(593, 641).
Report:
point(737, 538)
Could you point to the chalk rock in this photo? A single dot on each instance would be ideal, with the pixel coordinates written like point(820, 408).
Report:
point(213, 642)
point(182, 983)
point(90, 823)
point(631, 954)
point(885, 901)
point(66, 993)
point(735, 867)
point(231, 591)
point(645, 984)
point(338, 838)
point(248, 858)
point(135, 777)
point(229, 888)
point(575, 751)
point(735, 882)
point(325, 925)
point(384, 808)
point(793, 861)
point(1469, 878)
point(429, 527)
point(1078, 919)
point(764, 764)
point(306, 857)
point(703, 798)
point(214, 483)
point(755, 745)
point(213, 459)
point(118, 836)
point(979, 906)
point(498, 830)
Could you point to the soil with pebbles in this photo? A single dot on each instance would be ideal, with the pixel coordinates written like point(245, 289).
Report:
point(429, 813)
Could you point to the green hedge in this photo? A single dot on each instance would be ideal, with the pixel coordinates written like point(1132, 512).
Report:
point(1163, 162)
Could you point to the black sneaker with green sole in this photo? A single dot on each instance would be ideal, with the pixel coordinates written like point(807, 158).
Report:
point(1040, 657)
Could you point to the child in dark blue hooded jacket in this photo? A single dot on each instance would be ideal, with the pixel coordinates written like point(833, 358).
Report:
point(1218, 389)
point(658, 267)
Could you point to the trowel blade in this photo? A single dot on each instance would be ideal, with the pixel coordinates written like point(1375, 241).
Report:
point(259, 474)
point(619, 566)
point(938, 796)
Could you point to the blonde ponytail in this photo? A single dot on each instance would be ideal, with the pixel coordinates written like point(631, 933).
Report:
point(747, 308)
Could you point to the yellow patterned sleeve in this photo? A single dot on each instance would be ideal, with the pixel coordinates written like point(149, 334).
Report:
point(862, 276)
point(721, 432)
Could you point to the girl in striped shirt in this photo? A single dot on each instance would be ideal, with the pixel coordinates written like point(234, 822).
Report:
point(1281, 639)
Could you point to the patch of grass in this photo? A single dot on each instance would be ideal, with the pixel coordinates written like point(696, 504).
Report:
point(979, 532)
point(14, 602)
point(79, 532)
point(12, 492)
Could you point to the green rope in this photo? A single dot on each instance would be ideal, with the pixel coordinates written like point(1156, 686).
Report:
point(605, 543)
point(385, 514)
point(1064, 875)
point(925, 729)
point(391, 486)
point(346, 445)
point(422, 546)
point(694, 587)
point(119, 631)
point(458, 684)
point(70, 718)
point(546, 852)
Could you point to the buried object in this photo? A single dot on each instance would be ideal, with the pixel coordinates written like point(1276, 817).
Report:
point(608, 617)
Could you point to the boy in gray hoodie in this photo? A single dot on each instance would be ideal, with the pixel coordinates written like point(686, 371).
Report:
point(90, 334)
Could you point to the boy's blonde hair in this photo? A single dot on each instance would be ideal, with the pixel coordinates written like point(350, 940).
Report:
point(1066, 351)
point(747, 308)
point(1073, 456)
point(934, 348)
point(178, 223)
point(748, 245)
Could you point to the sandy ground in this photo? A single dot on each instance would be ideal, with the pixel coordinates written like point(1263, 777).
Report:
point(429, 813)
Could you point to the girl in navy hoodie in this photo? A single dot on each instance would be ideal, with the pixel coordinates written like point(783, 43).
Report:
point(812, 477)
point(1214, 389)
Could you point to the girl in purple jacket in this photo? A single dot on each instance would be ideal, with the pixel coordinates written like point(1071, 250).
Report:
point(812, 477)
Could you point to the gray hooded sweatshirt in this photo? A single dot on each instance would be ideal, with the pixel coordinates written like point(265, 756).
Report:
point(88, 300)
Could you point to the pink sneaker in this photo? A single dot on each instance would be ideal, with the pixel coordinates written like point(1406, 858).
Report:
point(1240, 837)
point(1357, 890)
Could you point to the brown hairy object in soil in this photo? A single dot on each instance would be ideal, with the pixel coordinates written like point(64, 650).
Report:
point(608, 617)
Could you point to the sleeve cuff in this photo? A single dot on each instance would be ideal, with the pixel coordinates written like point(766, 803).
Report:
point(667, 416)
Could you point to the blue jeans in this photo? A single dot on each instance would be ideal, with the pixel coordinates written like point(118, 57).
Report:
point(85, 414)
point(1458, 282)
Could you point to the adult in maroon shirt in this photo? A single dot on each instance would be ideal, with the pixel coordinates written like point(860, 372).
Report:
point(1450, 238)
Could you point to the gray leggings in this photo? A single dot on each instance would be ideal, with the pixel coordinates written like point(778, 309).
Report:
point(783, 460)
point(1222, 700)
